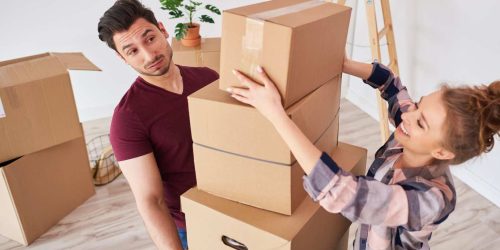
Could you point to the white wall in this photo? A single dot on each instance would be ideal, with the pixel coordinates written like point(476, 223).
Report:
point(451, 41)
point(32, 27)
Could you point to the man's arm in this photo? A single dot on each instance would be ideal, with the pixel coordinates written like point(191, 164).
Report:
point(145, 181)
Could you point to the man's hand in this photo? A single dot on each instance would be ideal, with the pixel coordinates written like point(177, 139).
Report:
point(264, 98)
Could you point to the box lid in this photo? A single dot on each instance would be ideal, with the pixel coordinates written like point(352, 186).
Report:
point(209, 44)
point(290, 13)
point(41, 66)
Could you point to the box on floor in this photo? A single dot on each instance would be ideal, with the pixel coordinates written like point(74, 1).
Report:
point(217, 223)
point(39, 189)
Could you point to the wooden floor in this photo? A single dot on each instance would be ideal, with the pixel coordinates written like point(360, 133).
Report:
point(109, 220)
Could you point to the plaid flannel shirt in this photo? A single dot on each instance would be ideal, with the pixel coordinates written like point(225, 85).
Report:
point(397, 208)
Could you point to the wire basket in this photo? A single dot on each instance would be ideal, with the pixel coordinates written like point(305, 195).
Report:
point(102, 160)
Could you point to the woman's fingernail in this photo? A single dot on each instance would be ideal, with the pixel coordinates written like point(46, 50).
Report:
point(229, 90)
point(259, 69)
point(234, 72)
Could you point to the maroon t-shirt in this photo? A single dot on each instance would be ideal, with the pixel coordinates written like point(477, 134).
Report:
point(151, 119)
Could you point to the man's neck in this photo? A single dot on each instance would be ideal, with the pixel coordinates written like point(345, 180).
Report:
point(171, 81)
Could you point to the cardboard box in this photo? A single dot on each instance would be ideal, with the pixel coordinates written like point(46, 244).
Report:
point(263, 184)
point(219, 121)
point(210, 218)
point(37, 108)
point(207, 54)
point(300, 44)
point(39, 189)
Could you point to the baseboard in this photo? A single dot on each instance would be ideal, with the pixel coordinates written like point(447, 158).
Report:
point(93, 113)
point(360, 102)
point(477, 183)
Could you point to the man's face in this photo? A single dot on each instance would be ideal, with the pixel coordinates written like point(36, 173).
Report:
point(145, 48)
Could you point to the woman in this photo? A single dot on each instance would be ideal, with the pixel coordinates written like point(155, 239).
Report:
point(408, 190)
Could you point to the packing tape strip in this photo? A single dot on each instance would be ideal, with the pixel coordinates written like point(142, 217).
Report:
point(253, 39)
point(268, 161)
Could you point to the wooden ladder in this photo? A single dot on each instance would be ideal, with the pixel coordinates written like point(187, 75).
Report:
point(375, 36)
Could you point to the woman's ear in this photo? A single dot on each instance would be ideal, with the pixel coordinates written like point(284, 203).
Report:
point(442, 154)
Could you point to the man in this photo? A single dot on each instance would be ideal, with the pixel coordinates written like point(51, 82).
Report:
point(150, 130)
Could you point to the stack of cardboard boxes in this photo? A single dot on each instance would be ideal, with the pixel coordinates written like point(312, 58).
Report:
point(250, 193)
point(44, 167)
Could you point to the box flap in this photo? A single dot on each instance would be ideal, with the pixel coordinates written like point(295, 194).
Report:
point(22, 59)
point(11, 226)
point(26, 71)
point(75, 61)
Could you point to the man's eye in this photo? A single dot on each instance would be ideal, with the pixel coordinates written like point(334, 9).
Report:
point(132, 52)
point(151, 39)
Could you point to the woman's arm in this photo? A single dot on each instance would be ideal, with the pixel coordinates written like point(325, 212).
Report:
point(267, 100)
point(358, 69)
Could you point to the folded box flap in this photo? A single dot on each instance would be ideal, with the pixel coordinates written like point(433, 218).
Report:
point(75, 61)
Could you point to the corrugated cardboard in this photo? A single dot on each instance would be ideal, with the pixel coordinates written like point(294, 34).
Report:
point(209, 218)
point(39, 189)
point(38, 102)
point(219, 121)
point(263, 184)
point(300, 44)
point(207, 54)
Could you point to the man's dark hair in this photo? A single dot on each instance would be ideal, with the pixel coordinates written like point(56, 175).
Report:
point(120, 17)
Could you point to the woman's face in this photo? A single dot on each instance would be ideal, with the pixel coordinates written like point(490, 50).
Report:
point(423, 127)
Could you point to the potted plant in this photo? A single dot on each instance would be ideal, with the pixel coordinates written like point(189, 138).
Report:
point(188, 33)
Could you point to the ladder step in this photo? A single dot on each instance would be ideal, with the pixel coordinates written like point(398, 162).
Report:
point(383, 32)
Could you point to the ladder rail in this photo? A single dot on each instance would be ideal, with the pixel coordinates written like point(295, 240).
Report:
point(375, 36)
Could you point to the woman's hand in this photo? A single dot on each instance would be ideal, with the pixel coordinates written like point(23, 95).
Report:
point(264, 98)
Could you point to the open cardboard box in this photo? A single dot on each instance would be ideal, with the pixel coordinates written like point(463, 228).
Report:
point(37, 107)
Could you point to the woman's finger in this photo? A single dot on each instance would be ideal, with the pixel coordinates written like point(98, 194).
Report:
point(239, 91)
point(263, 77)
point(245, 80)
point(241, 98)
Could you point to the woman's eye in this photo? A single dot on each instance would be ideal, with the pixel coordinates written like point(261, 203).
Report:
point(419, 124)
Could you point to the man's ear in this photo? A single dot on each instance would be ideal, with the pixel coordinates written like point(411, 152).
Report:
point(442, 154)
point(162, 29)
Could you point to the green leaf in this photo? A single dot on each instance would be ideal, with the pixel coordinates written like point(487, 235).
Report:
point(180, 31)
point(171, 4)
point(195, 3)
point(175, 14)
point(206, 19)
point(189, 8)
point(213, 9)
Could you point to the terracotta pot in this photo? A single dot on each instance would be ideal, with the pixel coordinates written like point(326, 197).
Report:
point(192, 37)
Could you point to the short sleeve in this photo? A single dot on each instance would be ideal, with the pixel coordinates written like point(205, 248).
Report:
point(128, 136)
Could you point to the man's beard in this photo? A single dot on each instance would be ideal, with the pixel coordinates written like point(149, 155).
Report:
point(162, 71)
